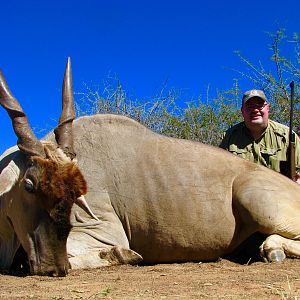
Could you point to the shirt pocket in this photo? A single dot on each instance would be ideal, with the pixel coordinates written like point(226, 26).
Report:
point(272, 158)
point(269, 152)
point(244, 153)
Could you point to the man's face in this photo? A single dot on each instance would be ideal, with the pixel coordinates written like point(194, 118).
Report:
point(256, 113)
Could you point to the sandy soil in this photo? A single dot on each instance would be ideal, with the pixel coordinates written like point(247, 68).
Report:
point(217, 280)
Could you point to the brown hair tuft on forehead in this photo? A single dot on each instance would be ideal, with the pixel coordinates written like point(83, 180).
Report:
point(60, 181)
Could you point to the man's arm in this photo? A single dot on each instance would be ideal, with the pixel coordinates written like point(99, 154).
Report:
point(297, 159)
point(225, 141)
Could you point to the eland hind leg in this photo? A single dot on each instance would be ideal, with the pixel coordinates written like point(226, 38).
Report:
point(270, 204)
point(276, 248)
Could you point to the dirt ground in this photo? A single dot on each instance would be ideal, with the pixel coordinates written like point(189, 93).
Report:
point(217, 280)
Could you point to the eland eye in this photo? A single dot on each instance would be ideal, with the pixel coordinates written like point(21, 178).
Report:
point(29, 187)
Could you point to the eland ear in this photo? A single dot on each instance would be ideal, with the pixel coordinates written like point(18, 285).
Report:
point(81, 202)
point(8, 177)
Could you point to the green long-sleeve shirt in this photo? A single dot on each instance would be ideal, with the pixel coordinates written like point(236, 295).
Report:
point(270, 150)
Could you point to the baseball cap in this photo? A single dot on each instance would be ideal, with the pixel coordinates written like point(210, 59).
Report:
point(253, 93)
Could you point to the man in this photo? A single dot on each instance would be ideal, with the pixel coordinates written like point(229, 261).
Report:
point(260, 139)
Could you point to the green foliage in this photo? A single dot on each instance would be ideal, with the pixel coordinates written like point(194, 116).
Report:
point(196, 120)
point(206, 121)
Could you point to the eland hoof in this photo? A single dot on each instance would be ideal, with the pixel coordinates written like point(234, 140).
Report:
point(276, 255)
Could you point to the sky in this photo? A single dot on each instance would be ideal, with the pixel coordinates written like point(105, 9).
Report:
point(190, 44)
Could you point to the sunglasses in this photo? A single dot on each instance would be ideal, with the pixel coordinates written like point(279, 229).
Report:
point(255, 106)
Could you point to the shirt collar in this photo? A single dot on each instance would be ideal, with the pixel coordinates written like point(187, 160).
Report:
point(247, 131)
